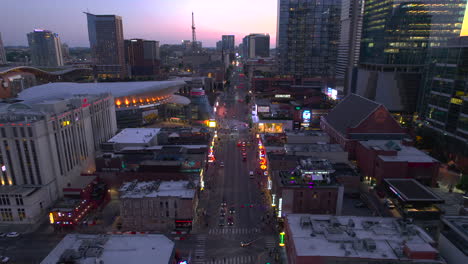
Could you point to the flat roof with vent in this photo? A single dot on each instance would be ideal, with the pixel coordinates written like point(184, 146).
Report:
point(410, 190)
point(357, 237)
point(135, 189)
point(135, 135)
point(403, 153)
point(115, 249)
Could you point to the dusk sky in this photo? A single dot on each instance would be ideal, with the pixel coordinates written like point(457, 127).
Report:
point(168, 21)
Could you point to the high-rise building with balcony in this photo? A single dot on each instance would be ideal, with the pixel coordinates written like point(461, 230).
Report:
point(307, 37)
point(228, 43)
point(396, 35)
point(46, 49)
point(350, 40)
point(3, 59)
point(107, 44)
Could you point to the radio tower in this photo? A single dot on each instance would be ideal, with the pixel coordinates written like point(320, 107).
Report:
point(194, 35)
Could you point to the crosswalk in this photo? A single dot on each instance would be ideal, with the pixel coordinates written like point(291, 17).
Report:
point(232, 260)
point(199, 256)
point(233, 231)
point(270, 242)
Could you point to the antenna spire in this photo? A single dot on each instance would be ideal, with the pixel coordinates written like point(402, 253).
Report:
point(194, 34)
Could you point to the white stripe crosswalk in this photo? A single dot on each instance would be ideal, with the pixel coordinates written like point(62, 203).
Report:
point(233, 231)
point(199, 251)
point(270, 242)
point(229, 260)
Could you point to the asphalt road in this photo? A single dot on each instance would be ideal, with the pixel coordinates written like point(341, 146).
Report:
point(231, 183)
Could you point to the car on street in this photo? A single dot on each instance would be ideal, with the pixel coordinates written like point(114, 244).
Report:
point(243, 144)
point(251, 174)
point(222, 211)
point(221, 221)
point(230, 221)
point(239, 143)
point(221, 164)
point(243, 150)
point(13, 234)
point(244, 158)
point(223, 203)
point(4, 259)
point(245, 244)
point(232, 210)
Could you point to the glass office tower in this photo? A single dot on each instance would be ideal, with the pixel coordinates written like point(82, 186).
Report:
point(307, 37)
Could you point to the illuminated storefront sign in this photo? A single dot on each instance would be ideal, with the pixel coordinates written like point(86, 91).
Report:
point(51, 218)
point(281, 239)
point(263, 109)
point(282, 96)
point(269, 184)
point(211, 123)
point(273, 198)
point(306, 116)
point(464, 29)
point(280, 205)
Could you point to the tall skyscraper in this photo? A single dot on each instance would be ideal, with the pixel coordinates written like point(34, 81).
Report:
point(228, 43)
point(307, 37)
point(445, 89)
point(350, 40)
point(46, 49)
point(396, 35)
point(107, 44)
point(3, 59)
point(65, 52)
point(256, 45)
point(141, 57)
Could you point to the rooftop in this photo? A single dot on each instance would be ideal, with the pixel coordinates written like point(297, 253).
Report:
point(135, 189)
point(116, 249)
point(117, 89)
point(135, 135)
point(404, 153)
point(351, 111)
point(458, 224)
point(356, 237)
point(410, 190)
point(321, 147)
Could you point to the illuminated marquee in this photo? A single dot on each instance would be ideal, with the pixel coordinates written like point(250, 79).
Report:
point(464, 29)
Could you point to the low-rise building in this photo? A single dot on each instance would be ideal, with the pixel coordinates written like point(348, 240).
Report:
point(351, 239)
point(158, 205)
point(133, 137)
point(356, 118)
point(386, 159)
point(115, 249)
point(308, 188)
point(332, 152)
point(453, 239)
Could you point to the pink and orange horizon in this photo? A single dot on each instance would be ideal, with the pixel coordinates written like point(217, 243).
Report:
point(168, 21)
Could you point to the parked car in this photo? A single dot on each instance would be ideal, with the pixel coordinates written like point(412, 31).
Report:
point(221, 221)
point(222, 212)
point(221, 164)
point(13, 234)
point(232, 210)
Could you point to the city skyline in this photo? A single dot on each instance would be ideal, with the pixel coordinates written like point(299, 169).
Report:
point(141, 19)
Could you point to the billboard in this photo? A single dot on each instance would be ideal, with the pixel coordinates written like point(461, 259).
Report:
point(263, 109)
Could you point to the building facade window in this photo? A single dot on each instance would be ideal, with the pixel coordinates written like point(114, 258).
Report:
point(21, 214)
point(4, 199)
point(19, 199)
point(6, 214)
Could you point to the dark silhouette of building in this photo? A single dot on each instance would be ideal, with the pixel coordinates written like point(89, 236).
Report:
point(141, 57)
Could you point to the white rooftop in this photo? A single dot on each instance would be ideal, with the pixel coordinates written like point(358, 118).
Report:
point(117, 249)
point(135, 135)
point(326, 235)
point(404, 153)
point(152, 189)
point(117, 89)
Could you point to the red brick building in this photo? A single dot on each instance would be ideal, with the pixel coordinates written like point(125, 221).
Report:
point(356, 118)
point(386, 159)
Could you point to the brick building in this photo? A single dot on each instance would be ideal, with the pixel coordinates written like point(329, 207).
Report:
point(322, 239)
point(158, 206)
point(385, 159)
point(309, 188)
point(356, 118)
